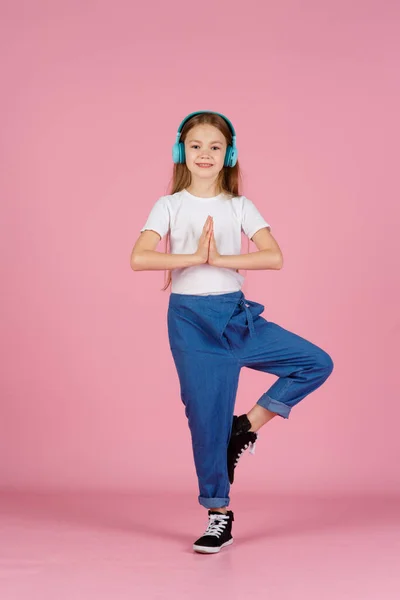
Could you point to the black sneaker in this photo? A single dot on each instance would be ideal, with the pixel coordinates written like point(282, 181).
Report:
point(218, 533)
point(241, 439)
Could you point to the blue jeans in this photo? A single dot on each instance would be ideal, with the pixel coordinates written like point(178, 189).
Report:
point(211, 338)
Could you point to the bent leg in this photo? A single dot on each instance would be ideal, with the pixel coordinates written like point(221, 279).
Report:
point(301, 366)
point(208, 385)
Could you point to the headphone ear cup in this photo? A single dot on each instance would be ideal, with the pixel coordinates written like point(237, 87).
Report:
point(178, 152)
point(227, 156)
point(182, 158)
point(230, 157)
point(175, 153)
point(233, 156)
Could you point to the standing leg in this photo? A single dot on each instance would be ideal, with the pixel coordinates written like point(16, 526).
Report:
point(208, 385)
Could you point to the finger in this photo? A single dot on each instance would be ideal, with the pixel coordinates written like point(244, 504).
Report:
point(206, 224)
point(205, 230)
point(206, 237)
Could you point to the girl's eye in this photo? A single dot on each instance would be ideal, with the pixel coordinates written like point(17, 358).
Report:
point(196, 146)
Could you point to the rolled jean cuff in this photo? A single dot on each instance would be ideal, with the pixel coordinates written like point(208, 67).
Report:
point(281, 409)
point(213, 502)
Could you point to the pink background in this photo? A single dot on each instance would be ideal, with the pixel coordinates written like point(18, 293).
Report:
point(92, 97)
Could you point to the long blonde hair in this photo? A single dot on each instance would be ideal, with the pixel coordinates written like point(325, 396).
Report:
point(229, 178)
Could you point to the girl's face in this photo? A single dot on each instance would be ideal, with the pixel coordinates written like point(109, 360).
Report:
point(205, 145)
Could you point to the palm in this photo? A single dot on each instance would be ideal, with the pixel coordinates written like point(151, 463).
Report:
point(212, 249)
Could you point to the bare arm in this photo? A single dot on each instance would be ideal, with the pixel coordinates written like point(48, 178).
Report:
point(268, 255)
point(145, 257)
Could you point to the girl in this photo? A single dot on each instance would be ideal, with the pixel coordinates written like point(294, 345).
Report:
point(213, 329)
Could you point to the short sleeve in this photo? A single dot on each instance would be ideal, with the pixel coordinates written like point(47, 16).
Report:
point(158, 219)
point(252, 220)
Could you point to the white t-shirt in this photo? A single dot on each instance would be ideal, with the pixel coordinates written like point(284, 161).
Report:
point(185, 215)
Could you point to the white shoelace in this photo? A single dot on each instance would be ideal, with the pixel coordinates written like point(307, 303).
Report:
point(252, 450)
point(215, 528)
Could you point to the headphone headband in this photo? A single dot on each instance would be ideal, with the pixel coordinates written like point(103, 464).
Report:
point(200, 112)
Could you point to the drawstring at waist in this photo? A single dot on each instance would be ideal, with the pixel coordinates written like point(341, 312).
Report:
point(249, 316)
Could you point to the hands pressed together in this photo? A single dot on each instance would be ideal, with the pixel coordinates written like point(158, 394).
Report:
point(207, 249)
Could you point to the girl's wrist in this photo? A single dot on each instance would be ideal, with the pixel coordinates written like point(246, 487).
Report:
point(198, 259)
point(216, 261)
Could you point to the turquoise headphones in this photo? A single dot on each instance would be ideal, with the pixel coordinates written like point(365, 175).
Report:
point(178, 149)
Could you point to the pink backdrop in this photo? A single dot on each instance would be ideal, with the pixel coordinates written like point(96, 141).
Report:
point(92, 97)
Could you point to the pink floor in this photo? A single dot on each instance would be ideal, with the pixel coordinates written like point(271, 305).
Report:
point(117, 546)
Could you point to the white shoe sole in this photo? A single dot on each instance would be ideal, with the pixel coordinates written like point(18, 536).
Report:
point(208, 550)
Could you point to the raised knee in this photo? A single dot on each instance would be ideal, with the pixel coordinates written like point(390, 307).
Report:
point(325, 362)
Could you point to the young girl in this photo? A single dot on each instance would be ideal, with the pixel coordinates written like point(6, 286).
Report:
point(213, 329)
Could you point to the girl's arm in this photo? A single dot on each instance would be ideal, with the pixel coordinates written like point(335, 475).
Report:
point(268, 256)
point(144, 256)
